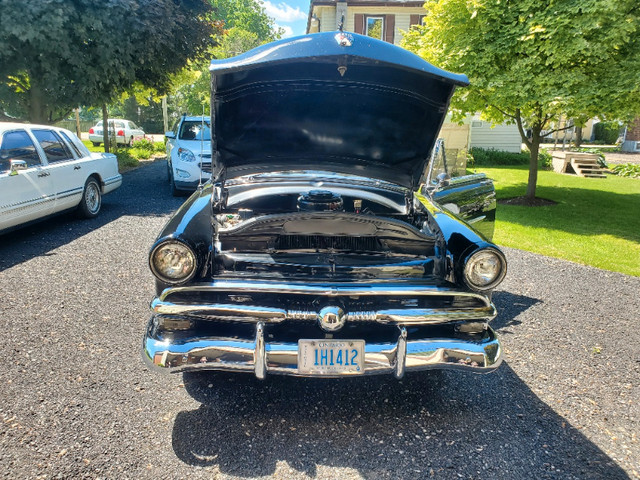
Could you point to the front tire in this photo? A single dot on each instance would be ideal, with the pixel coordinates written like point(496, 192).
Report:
point(172, 185)
point(91, 201)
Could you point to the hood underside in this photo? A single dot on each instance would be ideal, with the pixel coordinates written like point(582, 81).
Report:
point(336, 102)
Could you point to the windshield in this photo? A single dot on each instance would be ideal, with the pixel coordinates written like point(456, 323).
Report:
point(192, 130)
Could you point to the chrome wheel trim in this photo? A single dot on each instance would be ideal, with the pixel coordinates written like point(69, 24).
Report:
point(92, 198)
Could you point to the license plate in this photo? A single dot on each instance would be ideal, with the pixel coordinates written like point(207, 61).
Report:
point(330, 357)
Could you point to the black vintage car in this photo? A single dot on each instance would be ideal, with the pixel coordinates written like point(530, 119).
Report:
point(332, 240)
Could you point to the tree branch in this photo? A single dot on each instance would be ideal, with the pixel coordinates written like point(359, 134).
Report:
point(560, 129)
point(61, 117)
point(502, 111)
point(523, 135)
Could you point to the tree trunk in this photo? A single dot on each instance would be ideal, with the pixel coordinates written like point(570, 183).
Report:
point(533, 163)
point(37, 107)
point(78, 132)
point(105, 128)
point(578, 136)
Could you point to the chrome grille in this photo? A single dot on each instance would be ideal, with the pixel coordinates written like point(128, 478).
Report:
point(320, 242)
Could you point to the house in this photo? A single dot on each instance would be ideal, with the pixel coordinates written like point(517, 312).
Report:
point(387, 20)
point(632, 137)
point(382, 19)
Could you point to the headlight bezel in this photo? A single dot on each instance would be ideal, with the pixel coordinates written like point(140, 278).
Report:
point(469, 263)
point(166, 279)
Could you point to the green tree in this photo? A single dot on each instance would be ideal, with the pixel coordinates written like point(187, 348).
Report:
point(58, 54)
point(532, 61)
point(248, 15)
point(246, 26)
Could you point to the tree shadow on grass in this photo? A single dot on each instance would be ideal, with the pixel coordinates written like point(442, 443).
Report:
point(446, 424)
point(143, 193)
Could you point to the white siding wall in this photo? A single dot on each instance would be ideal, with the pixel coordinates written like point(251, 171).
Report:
point(328, 19)
point(501, 137)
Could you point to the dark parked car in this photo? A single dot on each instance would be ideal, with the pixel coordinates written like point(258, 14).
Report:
point(332, 240)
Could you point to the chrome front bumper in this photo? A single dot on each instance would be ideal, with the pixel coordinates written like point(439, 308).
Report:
point(479, 353)
point(179, 336)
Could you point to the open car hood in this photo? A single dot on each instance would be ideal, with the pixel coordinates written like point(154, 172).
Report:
point(336, 102)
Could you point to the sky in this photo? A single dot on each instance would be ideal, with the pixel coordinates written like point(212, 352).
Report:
point(290, 15)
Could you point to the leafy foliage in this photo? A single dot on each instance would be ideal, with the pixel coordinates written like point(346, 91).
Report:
point(126, 161)
point(490, 157)
point(607, 132)
point(144, 144)
point(532, 61)
point(57, 54)
point(627, 170)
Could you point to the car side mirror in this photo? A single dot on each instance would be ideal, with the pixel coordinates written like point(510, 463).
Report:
point(16, 166)
point(444, 179)
point(169, 134)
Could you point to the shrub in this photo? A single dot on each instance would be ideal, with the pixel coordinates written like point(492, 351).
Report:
point(125, 160)
point(607, 132)
point(143, 144)
point(140, 153)
point(159, 147)
point(627, 170)
point(490, 157)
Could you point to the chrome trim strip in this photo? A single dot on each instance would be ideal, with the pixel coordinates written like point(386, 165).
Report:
point(29, 203)
point(321, 289)
point(111, 180)
point(401, 354)
point(253, 314)
point(248, 313)
point(259, 355)
point(474, 353)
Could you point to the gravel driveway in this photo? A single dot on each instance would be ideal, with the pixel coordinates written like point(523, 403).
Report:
point(77, 401)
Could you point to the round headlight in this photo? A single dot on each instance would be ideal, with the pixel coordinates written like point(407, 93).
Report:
point(173, 262)
point(485, 269)
point(186, 155)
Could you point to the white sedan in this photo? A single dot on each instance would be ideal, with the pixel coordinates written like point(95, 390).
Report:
point(125, 132)
point(46, 170)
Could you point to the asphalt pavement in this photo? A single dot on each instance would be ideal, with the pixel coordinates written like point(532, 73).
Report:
point(76, 400)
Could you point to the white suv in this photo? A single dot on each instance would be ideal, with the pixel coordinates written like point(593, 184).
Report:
point(188, 153)
point(125, 132)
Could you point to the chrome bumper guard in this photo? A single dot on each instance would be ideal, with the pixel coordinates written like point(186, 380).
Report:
point(479, 353)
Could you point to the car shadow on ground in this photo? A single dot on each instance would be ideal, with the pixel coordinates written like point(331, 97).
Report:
point(144, 192)
point(509, 307)
point(445, 423)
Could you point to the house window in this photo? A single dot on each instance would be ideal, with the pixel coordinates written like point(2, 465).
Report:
point(375, 27)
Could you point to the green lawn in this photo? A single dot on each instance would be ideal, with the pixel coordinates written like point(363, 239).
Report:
point(126, 158)
point(91, 148)
point(595, 222)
